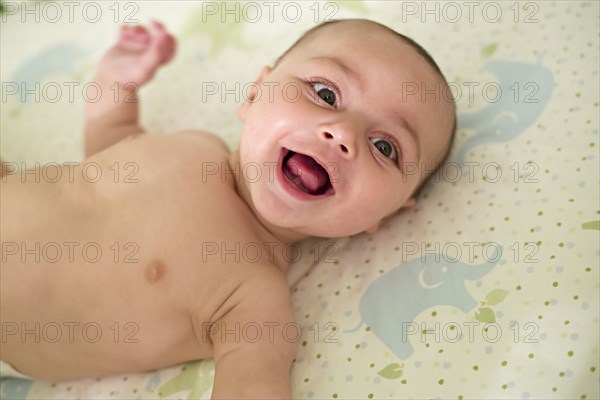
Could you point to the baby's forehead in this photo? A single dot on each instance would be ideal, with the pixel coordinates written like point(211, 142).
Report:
point(365, 43)
point(351, 32)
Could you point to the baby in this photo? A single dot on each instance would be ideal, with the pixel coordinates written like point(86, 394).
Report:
point(333, 162)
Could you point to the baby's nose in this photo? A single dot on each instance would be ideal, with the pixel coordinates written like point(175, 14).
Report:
point(342, 140)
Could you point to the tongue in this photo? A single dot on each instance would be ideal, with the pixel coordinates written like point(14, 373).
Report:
point(306, 173)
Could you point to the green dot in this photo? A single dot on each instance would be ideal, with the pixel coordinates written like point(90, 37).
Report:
point(504, 386)
point(546, 303)
point(530, 355)
point(318, 356)
point(441, 382)
point(540, 213)
point(475, 368)
point(305, 379)
point(555, 284)
point(561, 374)
point(554, 389)
point(357, 346)
point(434, 313)
point(561, 245)
point(335, 396)
point(403, 381)
point(349, 359)
point(588, 269)
point(370, 395)
point(504, 363)
point(575, 297)
point(567, 322)
point(570, 353)
point(371, 365)
point(593, 369)
point(460, 397)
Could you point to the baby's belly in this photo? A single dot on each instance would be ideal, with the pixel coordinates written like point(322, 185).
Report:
point(69, 321)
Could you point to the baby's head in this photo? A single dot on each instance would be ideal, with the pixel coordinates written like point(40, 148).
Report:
point(343, 119)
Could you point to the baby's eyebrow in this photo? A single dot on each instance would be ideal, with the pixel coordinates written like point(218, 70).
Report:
point(349, 72)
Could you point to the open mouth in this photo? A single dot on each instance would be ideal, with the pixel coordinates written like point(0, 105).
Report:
point(305, 174)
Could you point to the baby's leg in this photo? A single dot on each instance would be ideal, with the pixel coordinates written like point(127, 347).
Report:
point(124, 68)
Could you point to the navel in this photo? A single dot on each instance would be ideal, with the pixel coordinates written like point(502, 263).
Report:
point(155, 271)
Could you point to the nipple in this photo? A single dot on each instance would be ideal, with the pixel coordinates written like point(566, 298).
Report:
point(155, 271)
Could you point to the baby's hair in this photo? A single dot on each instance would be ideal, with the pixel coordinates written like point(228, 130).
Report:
point(419, 50)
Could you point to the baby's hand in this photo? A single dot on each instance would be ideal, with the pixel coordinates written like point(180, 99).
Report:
point(137, 55)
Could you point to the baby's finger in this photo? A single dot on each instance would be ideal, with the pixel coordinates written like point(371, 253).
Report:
point(158, 27)
point(169, 49)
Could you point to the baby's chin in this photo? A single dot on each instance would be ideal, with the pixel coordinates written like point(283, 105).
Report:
point(303, 227)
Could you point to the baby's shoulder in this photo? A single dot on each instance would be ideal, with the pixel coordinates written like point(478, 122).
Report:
point(203, 138)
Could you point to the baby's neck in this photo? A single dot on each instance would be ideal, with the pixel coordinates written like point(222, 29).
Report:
point(284, 235)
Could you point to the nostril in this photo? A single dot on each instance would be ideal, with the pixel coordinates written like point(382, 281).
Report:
point(327, 135)
point(344, 148)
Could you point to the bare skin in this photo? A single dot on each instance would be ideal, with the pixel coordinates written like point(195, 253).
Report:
point(155, 297)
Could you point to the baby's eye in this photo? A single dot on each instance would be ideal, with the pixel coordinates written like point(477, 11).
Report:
point(325, 93)
point(386, 148)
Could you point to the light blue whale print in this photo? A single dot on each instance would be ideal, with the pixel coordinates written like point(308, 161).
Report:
point(525, 91)
point(396, 298)
point(14, 388)
point(59, 60)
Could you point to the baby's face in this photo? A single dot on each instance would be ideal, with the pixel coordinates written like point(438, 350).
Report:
point(333, 122)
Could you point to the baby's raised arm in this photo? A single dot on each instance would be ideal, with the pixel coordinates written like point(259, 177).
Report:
point(122, 70)
point(253, 340)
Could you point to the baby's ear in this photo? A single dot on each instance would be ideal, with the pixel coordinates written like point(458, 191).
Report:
point(410, 203)
point(373, 229)
point(251, 95)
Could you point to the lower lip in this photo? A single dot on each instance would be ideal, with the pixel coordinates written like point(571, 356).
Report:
point(289, 187)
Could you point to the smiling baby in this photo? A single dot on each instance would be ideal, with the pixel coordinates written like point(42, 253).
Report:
point(333, 163)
